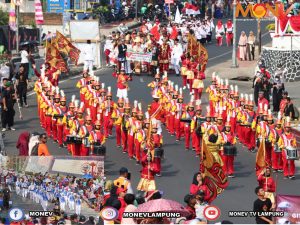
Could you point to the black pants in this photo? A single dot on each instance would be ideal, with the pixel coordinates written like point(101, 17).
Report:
point(203, 41)
point(6, 203)
point(22, 93)
point(208, 37)
point(7, 117)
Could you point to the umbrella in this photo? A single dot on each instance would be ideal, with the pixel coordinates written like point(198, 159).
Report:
point(87, 176)
point(163, 205)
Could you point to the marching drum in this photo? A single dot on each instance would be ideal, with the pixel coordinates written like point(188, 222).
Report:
point(86, 142)
point(291, 153)
point(77, 140)
point(276, 148)
point(230, 150)
point(158, 153)
point(99, 150)
point(70, 139)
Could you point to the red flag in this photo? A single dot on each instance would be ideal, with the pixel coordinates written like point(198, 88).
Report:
point(214, 177)
point(154, 31)
point(174, 33)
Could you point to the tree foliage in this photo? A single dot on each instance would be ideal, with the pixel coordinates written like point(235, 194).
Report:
point(3, 17)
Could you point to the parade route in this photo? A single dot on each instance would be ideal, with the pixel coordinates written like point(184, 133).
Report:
point(179, 165)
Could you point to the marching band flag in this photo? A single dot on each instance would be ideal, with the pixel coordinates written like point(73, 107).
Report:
point(214, 177)
point(260, 157)
point(39, 18)
point(66, 47)
point(54, 58)
point(198, 51)
point(174, 33)
point(154, 31)
point(12, 16)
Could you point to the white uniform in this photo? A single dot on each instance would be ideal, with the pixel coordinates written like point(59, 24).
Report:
point(89, 53)
point(78, 206)
point(177, 52)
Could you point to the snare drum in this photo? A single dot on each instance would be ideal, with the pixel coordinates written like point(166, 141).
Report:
point(291, 153)
point(86, 142)
point(99, 150)
point(276, 148)
point(230, 150)
point(70, 139)
point(77, 140)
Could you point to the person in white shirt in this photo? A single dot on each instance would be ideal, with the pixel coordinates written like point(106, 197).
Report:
point(197, 32)
point(108, 48)
point(89, 56)
point(25, 59)
point(203, 33)
point(177, 52)
point(220, 31)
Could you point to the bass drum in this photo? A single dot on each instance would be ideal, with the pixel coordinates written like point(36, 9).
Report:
point(99, 150)
point(230, 150)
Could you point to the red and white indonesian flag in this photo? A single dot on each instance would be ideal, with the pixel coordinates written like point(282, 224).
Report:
point(191, 9)
point(39, 18)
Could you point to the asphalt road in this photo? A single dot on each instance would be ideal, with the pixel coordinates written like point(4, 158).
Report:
point(179, 165)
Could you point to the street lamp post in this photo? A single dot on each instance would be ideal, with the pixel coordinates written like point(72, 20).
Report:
point(136, 9)
point(234, 59)
point(17, 25)
point(259, 32)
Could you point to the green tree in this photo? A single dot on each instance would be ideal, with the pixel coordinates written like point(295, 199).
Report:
point(3, 17)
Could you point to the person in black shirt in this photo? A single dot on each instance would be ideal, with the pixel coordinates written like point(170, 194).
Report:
point(6, 197)
point(262, 204)
point(122, 55)
point(8, 112)
point(289, 108)
point(21, 84)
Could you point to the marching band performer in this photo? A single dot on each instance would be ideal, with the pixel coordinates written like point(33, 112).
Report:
point(247, 119)
point(131, 129)
point(117, 118)
point(176, 54)
point(96, 136)
point(77, 205)
point(55, 113)
point(139, 135)
point(178, 109)
point(158, 141)
point(187, 117)
point(82, 84)
point(62, 110)
point(149, 170)
point(122, 84)
point(275, 133)
point(213, 140)
point(287, 142)
point(108, 107)
point(196, 127)
point(84, 133)
point(124, 128)
point(229, 149)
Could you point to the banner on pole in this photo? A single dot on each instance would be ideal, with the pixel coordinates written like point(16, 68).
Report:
point(169, 1)
point(290, 204)
point(141, 57)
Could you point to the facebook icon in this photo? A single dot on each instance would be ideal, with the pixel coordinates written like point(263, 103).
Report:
point(16, 214)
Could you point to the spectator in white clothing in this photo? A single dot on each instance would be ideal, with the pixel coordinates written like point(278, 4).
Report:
point(89, 56)
point(25, 59)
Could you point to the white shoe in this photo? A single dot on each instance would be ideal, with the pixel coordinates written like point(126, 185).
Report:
point(4, 129)
point(184, 88)
point(11, 128)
